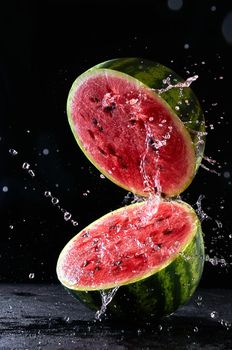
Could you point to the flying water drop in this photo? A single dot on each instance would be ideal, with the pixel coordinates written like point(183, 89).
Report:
point(26, 166)
point(13, 152)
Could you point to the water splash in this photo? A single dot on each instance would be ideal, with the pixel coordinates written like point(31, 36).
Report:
point(199, 300)
point(202, 215)
point(215, 261)
point(152, 186)
point(184, 84)
point(210, 170)
point(55, 201)
point(106, 297)
point(212, 162)
point(225, 324)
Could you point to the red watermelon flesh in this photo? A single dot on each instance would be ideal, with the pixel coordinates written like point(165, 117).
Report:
point(127, 245)
point(130, 133)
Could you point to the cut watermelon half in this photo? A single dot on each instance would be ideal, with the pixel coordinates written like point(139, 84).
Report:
point(154, 254)
point(130, 133)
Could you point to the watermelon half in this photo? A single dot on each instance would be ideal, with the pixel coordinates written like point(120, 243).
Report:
point(142, 141)
point(155, 255)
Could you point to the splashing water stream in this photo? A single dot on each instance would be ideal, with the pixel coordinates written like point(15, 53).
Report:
point(106, 297)
point(170, 86)
point(55, 201)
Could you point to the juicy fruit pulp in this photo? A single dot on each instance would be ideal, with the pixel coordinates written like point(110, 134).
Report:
point(130, 133)
point(144, 249)
point(153, 251)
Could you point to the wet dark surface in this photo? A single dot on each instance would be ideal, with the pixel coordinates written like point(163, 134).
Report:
point(47, 317)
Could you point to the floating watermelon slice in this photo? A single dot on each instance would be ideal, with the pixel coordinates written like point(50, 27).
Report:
point(132, 134)
point(154, 254)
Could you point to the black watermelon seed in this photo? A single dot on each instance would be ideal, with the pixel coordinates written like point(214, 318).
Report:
point(94, 99)
point(111, 150)
point(85, 263)
point(167, 231)
point(102, 151)
point(110, 107)
point(85, 234)
point(132, 121)
point(91, 134)
point(94, 121)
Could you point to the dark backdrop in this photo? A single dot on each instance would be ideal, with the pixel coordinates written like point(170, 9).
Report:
point(44, 47)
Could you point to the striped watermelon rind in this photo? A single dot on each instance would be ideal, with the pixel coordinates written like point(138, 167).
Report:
point(158, 293)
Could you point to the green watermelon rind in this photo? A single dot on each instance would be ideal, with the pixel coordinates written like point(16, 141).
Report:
point(161, 290)
point(191, 149)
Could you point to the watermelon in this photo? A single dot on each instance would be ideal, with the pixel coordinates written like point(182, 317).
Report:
point(153, 255)
point(148, 139)
point(143, 141)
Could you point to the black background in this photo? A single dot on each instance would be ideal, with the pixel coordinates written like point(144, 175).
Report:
point(44, 47)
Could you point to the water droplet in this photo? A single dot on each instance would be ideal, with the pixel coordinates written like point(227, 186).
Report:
point(226, 174)
point(75, 223)
point(219, 223)
point(31, 275)
point(214, 314)
point(175, 5)
point(177, 108)
point(5, 189)
point(67, 216)
point(26, 166)
point(66, 318)
point(199, 300)
point(11, 227)
point(55, 200)
point(225, 323)
point(45, 151)
point(195, 329)
point(213, 8)
point(102, 176)
point(186, 46)
point(31, 172)
point(160, 327)
point(47, 194)
point(13, 152)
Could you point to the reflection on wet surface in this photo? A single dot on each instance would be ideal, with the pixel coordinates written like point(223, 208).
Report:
point(47, 317)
